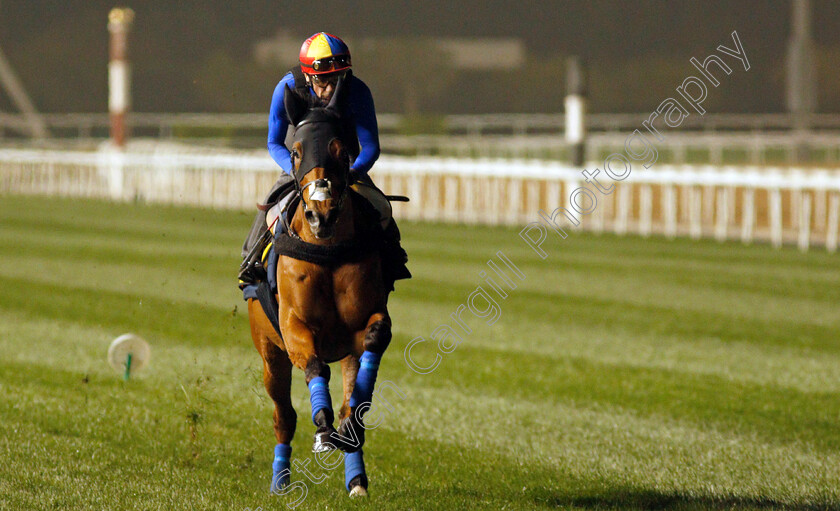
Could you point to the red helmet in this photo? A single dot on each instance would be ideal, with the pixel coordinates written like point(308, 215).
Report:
point(324, 53)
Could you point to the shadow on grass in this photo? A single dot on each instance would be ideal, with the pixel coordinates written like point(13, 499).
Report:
point(655, 500)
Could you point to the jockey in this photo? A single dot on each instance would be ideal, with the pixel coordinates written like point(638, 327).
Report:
point(324, 59)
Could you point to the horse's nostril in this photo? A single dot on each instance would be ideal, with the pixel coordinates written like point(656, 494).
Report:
point(310, 216)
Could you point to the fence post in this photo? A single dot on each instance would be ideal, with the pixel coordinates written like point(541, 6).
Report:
point(694, 213)
point(553, 195)
point(819, 209)
point(625, 204)
point(514, 202)
point(532, 201)
point(722, 214)
point(415, 191)
point(708, 195)
point(685, 203)
point(748, 216)
point(598, 216)
point(451, 207)
point(833, 220)
point(805, 223)
point(776, 226)
point(669, 210)
point(645, 210)
point(795, 205)
point(469, 199)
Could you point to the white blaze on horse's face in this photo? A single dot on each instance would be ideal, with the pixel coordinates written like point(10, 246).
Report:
point(319, 205)
point(321, 190)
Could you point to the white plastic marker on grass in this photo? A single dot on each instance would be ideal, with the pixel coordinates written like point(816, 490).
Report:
point(128, 353)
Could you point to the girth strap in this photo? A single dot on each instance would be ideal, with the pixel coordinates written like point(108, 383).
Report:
point(269, 304)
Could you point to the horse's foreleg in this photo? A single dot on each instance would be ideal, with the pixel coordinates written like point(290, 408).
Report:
point(277, 376)
point(372, 341)
point(377, 337)
point(300, 342)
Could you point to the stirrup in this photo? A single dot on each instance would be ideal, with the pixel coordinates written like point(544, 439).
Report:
point(252, 269)
point(251, 273)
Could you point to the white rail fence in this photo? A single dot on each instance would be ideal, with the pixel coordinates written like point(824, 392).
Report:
point(715, 148)
point(779, 205)
point(712, 138)
point(164, 124)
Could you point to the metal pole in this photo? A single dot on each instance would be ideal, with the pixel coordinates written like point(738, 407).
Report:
point(9, 80)
point(575, 111)
point(119, 73)
point(801, 76)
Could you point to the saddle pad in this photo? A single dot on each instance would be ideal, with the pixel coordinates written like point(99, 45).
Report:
point(270, 265)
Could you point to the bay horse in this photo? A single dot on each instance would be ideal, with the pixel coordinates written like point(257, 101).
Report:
point(329, 309)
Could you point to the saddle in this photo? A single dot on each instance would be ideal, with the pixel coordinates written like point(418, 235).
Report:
point(380, 233)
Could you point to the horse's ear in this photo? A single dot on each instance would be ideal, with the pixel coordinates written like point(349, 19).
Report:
point(337, 151)
point(333, 104)
point(295, 105)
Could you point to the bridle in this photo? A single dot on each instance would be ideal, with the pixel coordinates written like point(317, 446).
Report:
point(318, 189)
point(322, 188)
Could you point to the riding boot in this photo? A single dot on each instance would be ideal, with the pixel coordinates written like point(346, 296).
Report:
point(394, 258)
point(252, 270)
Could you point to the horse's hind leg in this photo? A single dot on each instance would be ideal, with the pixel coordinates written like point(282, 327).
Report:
point(277, 376)
point(349, 439)
point(355, 477)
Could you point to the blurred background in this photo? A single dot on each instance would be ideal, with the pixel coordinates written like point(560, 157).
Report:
point(430, 57)
point(470, 81)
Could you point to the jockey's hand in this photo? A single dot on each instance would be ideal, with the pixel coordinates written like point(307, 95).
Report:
point(354, 176)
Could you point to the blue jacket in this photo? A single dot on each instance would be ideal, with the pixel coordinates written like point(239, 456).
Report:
point(359, 106)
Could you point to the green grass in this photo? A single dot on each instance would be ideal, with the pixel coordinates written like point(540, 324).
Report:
point(622, 374)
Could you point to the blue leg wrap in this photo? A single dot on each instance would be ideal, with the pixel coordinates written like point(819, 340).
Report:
point(354, 465)
point(281, 467)
point(319, 395)
point(368, 368)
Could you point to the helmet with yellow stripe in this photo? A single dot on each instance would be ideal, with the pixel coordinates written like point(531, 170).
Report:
point(324, 53)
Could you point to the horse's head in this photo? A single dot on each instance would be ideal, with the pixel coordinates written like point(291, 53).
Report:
point(321, 164)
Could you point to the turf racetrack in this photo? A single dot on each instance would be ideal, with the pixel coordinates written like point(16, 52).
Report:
point(621, 373)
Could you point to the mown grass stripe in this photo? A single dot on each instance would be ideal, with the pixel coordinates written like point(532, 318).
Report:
point(626, 314)
point(623, 373)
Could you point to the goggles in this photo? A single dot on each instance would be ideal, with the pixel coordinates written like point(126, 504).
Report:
point(331, 63)
point(327, 79)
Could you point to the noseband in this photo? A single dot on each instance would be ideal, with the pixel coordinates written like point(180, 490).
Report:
point(321, 191)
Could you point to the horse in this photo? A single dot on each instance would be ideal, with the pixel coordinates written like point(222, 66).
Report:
point(328, 312)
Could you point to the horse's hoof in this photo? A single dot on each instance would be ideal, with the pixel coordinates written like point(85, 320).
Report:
point(358, 491)
point(323, 442)
point(278, 484)
point(353, 432)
